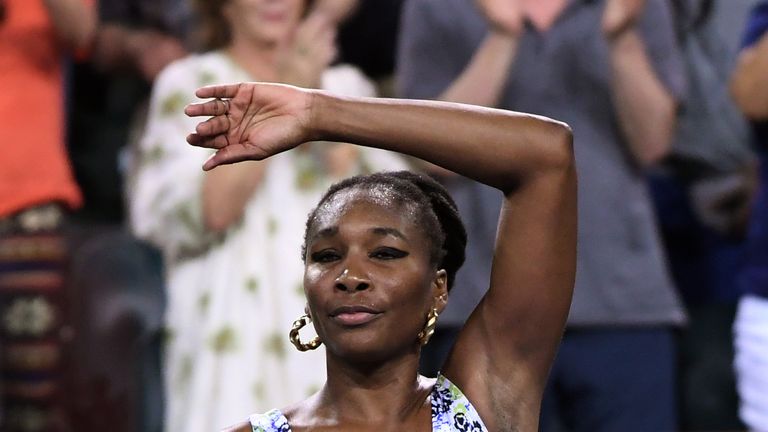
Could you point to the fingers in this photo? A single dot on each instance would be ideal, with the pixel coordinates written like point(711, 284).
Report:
point(214, 142)
point(214, 107)
point(313, 26)
point(213, 126)
point(317, 30)
point(227, 91)
point(336, 10)
point(225, 156)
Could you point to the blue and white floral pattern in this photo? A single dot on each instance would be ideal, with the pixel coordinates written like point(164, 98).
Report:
point(451, 412)
point(272, 421)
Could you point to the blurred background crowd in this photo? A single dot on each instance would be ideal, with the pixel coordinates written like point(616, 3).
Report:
point(138, 293)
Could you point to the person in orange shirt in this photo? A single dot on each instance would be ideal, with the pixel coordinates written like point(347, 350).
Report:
point(35, 184)
point(33, 37)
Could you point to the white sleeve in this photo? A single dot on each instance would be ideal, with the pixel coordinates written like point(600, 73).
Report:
point(166, 200)
point(347, 80)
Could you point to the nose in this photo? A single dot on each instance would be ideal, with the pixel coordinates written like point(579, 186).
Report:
point(352, 280)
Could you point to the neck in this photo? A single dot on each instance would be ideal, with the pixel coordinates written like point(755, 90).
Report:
point(258, 59)
point(372, 394)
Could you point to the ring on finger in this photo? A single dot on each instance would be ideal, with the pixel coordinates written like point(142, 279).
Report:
point(223, 104)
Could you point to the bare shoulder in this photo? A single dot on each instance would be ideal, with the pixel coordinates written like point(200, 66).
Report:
point(240, 427)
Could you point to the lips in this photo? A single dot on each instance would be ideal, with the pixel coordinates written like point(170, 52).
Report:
point(354, 315)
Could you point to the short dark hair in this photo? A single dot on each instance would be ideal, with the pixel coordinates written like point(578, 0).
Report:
point(436, 212)
point(213, 30)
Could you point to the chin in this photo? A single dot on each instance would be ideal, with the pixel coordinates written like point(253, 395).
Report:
point(366, 350)
point(270, 33)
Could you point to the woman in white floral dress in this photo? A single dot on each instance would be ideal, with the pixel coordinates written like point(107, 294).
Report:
point(229, 237)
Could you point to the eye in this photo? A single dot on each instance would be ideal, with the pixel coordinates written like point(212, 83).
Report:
point(325, 256)
point(388, 253)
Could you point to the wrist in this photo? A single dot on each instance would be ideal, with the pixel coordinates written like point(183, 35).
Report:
point(620, 33)
point(134, 44)
point(506, 31)
point(502, 35)
point(624, 41)
point(318, 103)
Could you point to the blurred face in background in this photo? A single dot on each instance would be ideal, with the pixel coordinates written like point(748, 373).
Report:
point(264, 22)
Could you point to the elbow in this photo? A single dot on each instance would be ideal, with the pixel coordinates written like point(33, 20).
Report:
point(748, 101)
point(82, 41)
point(216, 219)
point(81, 36)
point(561, 155)
point(216, 223)
point(85, 38)
point(653, 143)
point(653, 153)
point(754, 110)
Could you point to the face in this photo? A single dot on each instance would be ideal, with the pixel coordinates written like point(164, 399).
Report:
point(263, 21)
point(368, 277)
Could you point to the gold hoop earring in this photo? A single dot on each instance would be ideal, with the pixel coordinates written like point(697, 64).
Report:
point(429, 327)
point(293, 335)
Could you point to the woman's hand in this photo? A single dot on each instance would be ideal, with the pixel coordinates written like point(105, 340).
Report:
point(620, 15)
point(504, 16)
point(250, 121)
point(304, 58)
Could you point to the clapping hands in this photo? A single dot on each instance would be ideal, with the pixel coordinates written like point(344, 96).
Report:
point(504, 16)
point(303, 58)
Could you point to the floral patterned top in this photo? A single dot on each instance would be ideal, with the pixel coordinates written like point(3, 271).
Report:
point(451, 412)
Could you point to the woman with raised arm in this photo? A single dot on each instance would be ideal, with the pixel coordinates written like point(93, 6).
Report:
point(380, 253)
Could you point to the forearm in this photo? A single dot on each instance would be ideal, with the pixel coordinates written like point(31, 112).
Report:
point(112, 47)
point(644, 107)
point(499, 148)
point(483, 80)
point(226, 192)
point(74, 22)
point(749, 83)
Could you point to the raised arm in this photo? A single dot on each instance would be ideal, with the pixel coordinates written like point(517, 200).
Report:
point(74, 22)
point(503, 355)
point(749, 81)
point(482, 80)
point(646, 109)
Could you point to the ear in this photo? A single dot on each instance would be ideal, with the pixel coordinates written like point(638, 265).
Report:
point(440, 290)
point(307, 311)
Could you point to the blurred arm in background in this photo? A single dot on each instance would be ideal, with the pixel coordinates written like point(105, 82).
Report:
point(118, 46)
point(74, 22)
point(645, 108)
point(749, 83)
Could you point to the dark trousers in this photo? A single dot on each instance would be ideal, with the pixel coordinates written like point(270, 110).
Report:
point(613, 380)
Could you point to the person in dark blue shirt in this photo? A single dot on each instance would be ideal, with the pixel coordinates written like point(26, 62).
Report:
point(749, 86)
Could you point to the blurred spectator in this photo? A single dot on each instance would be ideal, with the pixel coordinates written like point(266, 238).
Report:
point(702, 194)
point(117, 289)
point(135, 40)
point(228, 236)
point(749, 86)
point(612, 70)
point(36, 186)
